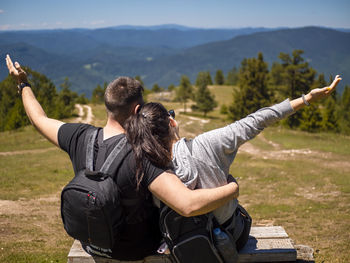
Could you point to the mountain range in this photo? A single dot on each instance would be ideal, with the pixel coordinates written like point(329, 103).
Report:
point(161, 54)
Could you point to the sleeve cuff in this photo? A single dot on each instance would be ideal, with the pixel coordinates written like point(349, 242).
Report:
point(285, 108)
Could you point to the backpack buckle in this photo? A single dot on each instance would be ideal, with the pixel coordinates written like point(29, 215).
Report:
point(95, 175)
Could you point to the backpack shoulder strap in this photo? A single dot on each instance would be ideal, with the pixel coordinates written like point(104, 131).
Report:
point(90, 138)
point(116, 157)
point(102, 149)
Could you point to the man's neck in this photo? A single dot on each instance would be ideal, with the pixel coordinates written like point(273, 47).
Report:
point(112, 128)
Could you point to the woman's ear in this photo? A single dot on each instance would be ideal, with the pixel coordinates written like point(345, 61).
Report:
point(173, 123)
point(175, 128)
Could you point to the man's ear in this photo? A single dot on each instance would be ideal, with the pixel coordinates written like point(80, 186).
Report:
point(137, 108)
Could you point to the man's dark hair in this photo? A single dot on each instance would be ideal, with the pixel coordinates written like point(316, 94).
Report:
point(121, 96)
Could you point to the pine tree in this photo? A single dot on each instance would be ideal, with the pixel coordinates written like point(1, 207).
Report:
point(98, 95)
point(184, 91)
point(16, 117)
point(296, 78)
point(12, 114)
point(205, 101)
point(330, 116)
point(219, 77)
point(232, 77)
point(330, 109)
point(68, 98)
point(171, 87)
point(311, 119)
point(253, 90)
point(223, 109)
point(344, 111)
point(156, 88)
point(208, 76)
point(203, 77)
point(82, 99)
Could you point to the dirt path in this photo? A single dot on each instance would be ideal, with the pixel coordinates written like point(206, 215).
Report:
point(28, 151)
point(88, 119)
point(318, 157)
point(80, 113)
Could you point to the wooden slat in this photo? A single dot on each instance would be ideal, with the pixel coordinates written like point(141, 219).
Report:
point(268, 232)
point(265, 244)
point(268, 250)
point(78, 255)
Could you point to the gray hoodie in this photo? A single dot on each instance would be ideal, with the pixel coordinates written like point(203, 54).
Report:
point(214, 151)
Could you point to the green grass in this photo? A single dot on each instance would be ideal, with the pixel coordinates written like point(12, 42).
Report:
point(223, 94)
point(309, 195)
point(38, 174)
point(26, 138)
point(326, 142)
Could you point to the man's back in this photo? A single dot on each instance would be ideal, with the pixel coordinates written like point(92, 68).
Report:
point(140, 235)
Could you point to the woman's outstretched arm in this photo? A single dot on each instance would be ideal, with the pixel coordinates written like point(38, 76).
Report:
point(221, 143)
point(315, 95)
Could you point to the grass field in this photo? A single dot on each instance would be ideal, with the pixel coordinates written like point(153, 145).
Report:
point(298, 180)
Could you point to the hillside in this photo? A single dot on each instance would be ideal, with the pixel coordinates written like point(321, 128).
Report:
point(325, 49)
point(161, 55)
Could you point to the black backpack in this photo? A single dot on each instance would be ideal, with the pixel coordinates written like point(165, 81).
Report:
point(90, 204)
point(190, 239)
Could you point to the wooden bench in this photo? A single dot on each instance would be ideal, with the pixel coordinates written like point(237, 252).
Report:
point(265, 244)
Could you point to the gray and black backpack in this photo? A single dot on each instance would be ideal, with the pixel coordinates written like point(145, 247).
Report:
point(91, 208)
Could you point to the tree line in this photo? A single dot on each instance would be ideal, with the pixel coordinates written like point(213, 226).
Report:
point(257, 86)
point(57, 105)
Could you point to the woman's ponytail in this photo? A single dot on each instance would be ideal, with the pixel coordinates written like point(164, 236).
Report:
point(148, 132)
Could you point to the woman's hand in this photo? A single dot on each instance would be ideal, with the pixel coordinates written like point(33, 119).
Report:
point(317, 94)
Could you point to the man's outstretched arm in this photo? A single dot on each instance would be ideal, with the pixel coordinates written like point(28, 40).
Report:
point(46, 126)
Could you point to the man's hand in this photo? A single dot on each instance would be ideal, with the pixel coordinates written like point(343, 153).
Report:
point(46, 126)
point(317, 94)
point(16, 71)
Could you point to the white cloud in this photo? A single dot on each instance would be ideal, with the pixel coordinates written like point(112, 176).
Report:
point(1, 11)
point(98, 22)
point(5, 27)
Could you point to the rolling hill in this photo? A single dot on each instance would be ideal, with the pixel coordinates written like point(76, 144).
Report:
point(327, 50)
point(161, 54)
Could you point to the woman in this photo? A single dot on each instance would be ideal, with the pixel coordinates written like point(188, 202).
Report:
point(204, 162)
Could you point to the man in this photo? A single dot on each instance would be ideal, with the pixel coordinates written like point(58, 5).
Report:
point(140, 236)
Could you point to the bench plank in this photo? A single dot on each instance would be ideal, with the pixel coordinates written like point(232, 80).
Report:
point(268, 232)
point(265, 244)
point(268, 250)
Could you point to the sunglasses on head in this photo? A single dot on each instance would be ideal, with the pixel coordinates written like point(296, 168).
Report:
point(171, 113)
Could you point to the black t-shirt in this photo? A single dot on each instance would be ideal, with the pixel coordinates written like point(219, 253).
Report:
point(140, 236)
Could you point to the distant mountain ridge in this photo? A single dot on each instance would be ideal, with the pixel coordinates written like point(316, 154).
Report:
point(327, 50)
point(161, 54)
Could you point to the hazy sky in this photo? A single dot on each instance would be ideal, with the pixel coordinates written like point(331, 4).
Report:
point(45, 14)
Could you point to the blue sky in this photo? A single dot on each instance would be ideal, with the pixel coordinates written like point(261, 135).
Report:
point(48, 14)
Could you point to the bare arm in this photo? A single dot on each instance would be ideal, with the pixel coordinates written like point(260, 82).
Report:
point(168, 188)
point(315, 94)
point(46, 126)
